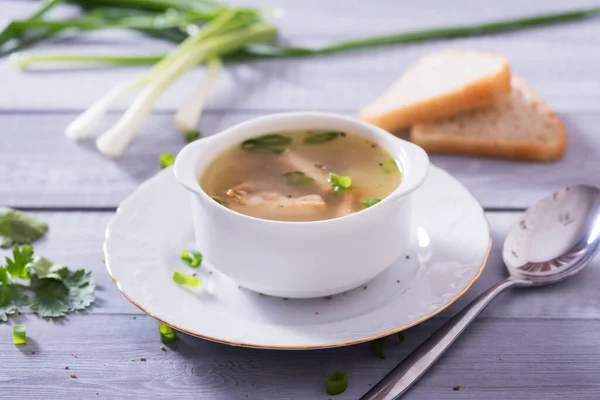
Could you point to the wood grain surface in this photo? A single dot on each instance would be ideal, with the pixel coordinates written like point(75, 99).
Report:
point(538, 344)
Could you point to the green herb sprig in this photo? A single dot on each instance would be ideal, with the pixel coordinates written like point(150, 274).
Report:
point(321, 137)
point(271, 143)
point(298, 179)
point(19, 228)
point(53, 290)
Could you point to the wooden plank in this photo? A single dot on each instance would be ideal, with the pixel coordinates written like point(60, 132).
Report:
point(40, 167)
point(559, 61)
point(495, 359)
point(75, 239)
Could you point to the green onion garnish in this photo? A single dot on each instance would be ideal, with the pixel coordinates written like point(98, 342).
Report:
point(320, 137)
point(401, 337)
point(370, 202)
point(390, 166)
point(339, 182)
point(191, 257)
point(298, 179)
point(221, 202)
point(19, 335)
point(190, 136)
point(167, 334)
point(377, 347)
point(186, 280)
point(166, 159)
point(337, 383)
point(271, 143)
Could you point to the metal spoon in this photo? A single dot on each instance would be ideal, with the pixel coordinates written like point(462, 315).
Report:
point(555, 238)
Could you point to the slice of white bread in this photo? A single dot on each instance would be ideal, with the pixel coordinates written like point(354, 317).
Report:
point(519, 126)
point(438, 85)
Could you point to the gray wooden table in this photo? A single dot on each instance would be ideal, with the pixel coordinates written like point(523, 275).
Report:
point(534, 344)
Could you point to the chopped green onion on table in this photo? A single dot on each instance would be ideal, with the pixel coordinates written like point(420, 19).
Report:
point(167, 334)
point(337, 383)
point(19, 334)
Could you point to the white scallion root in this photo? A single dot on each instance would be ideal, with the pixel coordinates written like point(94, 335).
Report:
point(188, 115)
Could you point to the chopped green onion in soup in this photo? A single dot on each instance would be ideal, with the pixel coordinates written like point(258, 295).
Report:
point(339, 182)
point(271, 143)
point(320, 137)
point(390, 166)
point(370, 202)
point(298, 179)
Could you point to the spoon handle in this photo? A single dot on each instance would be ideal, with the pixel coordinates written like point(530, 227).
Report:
point(405, 374)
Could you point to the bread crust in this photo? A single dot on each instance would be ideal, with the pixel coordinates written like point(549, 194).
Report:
point(478, 94)
point(498, 148)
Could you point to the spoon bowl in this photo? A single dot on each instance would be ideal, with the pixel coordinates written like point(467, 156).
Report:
point(556, 237)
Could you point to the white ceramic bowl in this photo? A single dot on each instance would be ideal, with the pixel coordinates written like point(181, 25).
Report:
point(302, 259)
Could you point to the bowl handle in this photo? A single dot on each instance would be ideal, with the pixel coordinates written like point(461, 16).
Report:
point(188, 161)
point(418, 168)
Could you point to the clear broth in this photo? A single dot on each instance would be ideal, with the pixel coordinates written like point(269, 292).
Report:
point(290, 181)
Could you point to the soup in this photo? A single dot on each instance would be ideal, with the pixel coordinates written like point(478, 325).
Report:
point(301, 175)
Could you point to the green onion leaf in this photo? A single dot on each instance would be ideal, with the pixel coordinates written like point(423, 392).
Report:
point(337, 383)
point(401, 337)
point(220, 201)
point(377, 347)
point(166, 159)
point(390, 166)
point(191, 257)
point(271, 143)
point(19, 335)
point(186, 280)
point(339, 182)
point(370, 202)
point(167, 334)
point(191, 136)
point(19, 228)
point(298, 179)
point(320, 137)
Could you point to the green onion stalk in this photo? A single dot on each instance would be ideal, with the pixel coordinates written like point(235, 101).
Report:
point(254, 52)
point(225, 34)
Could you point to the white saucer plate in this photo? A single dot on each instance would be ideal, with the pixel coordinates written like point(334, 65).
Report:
point(144, 240)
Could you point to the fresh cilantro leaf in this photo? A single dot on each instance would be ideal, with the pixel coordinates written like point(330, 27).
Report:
point(81, 289)
point(50, 299)
point(4, 275)
point(44, 268)
point(19, 228)
point(57, 297)
point(17, 267)
point(12, 296)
